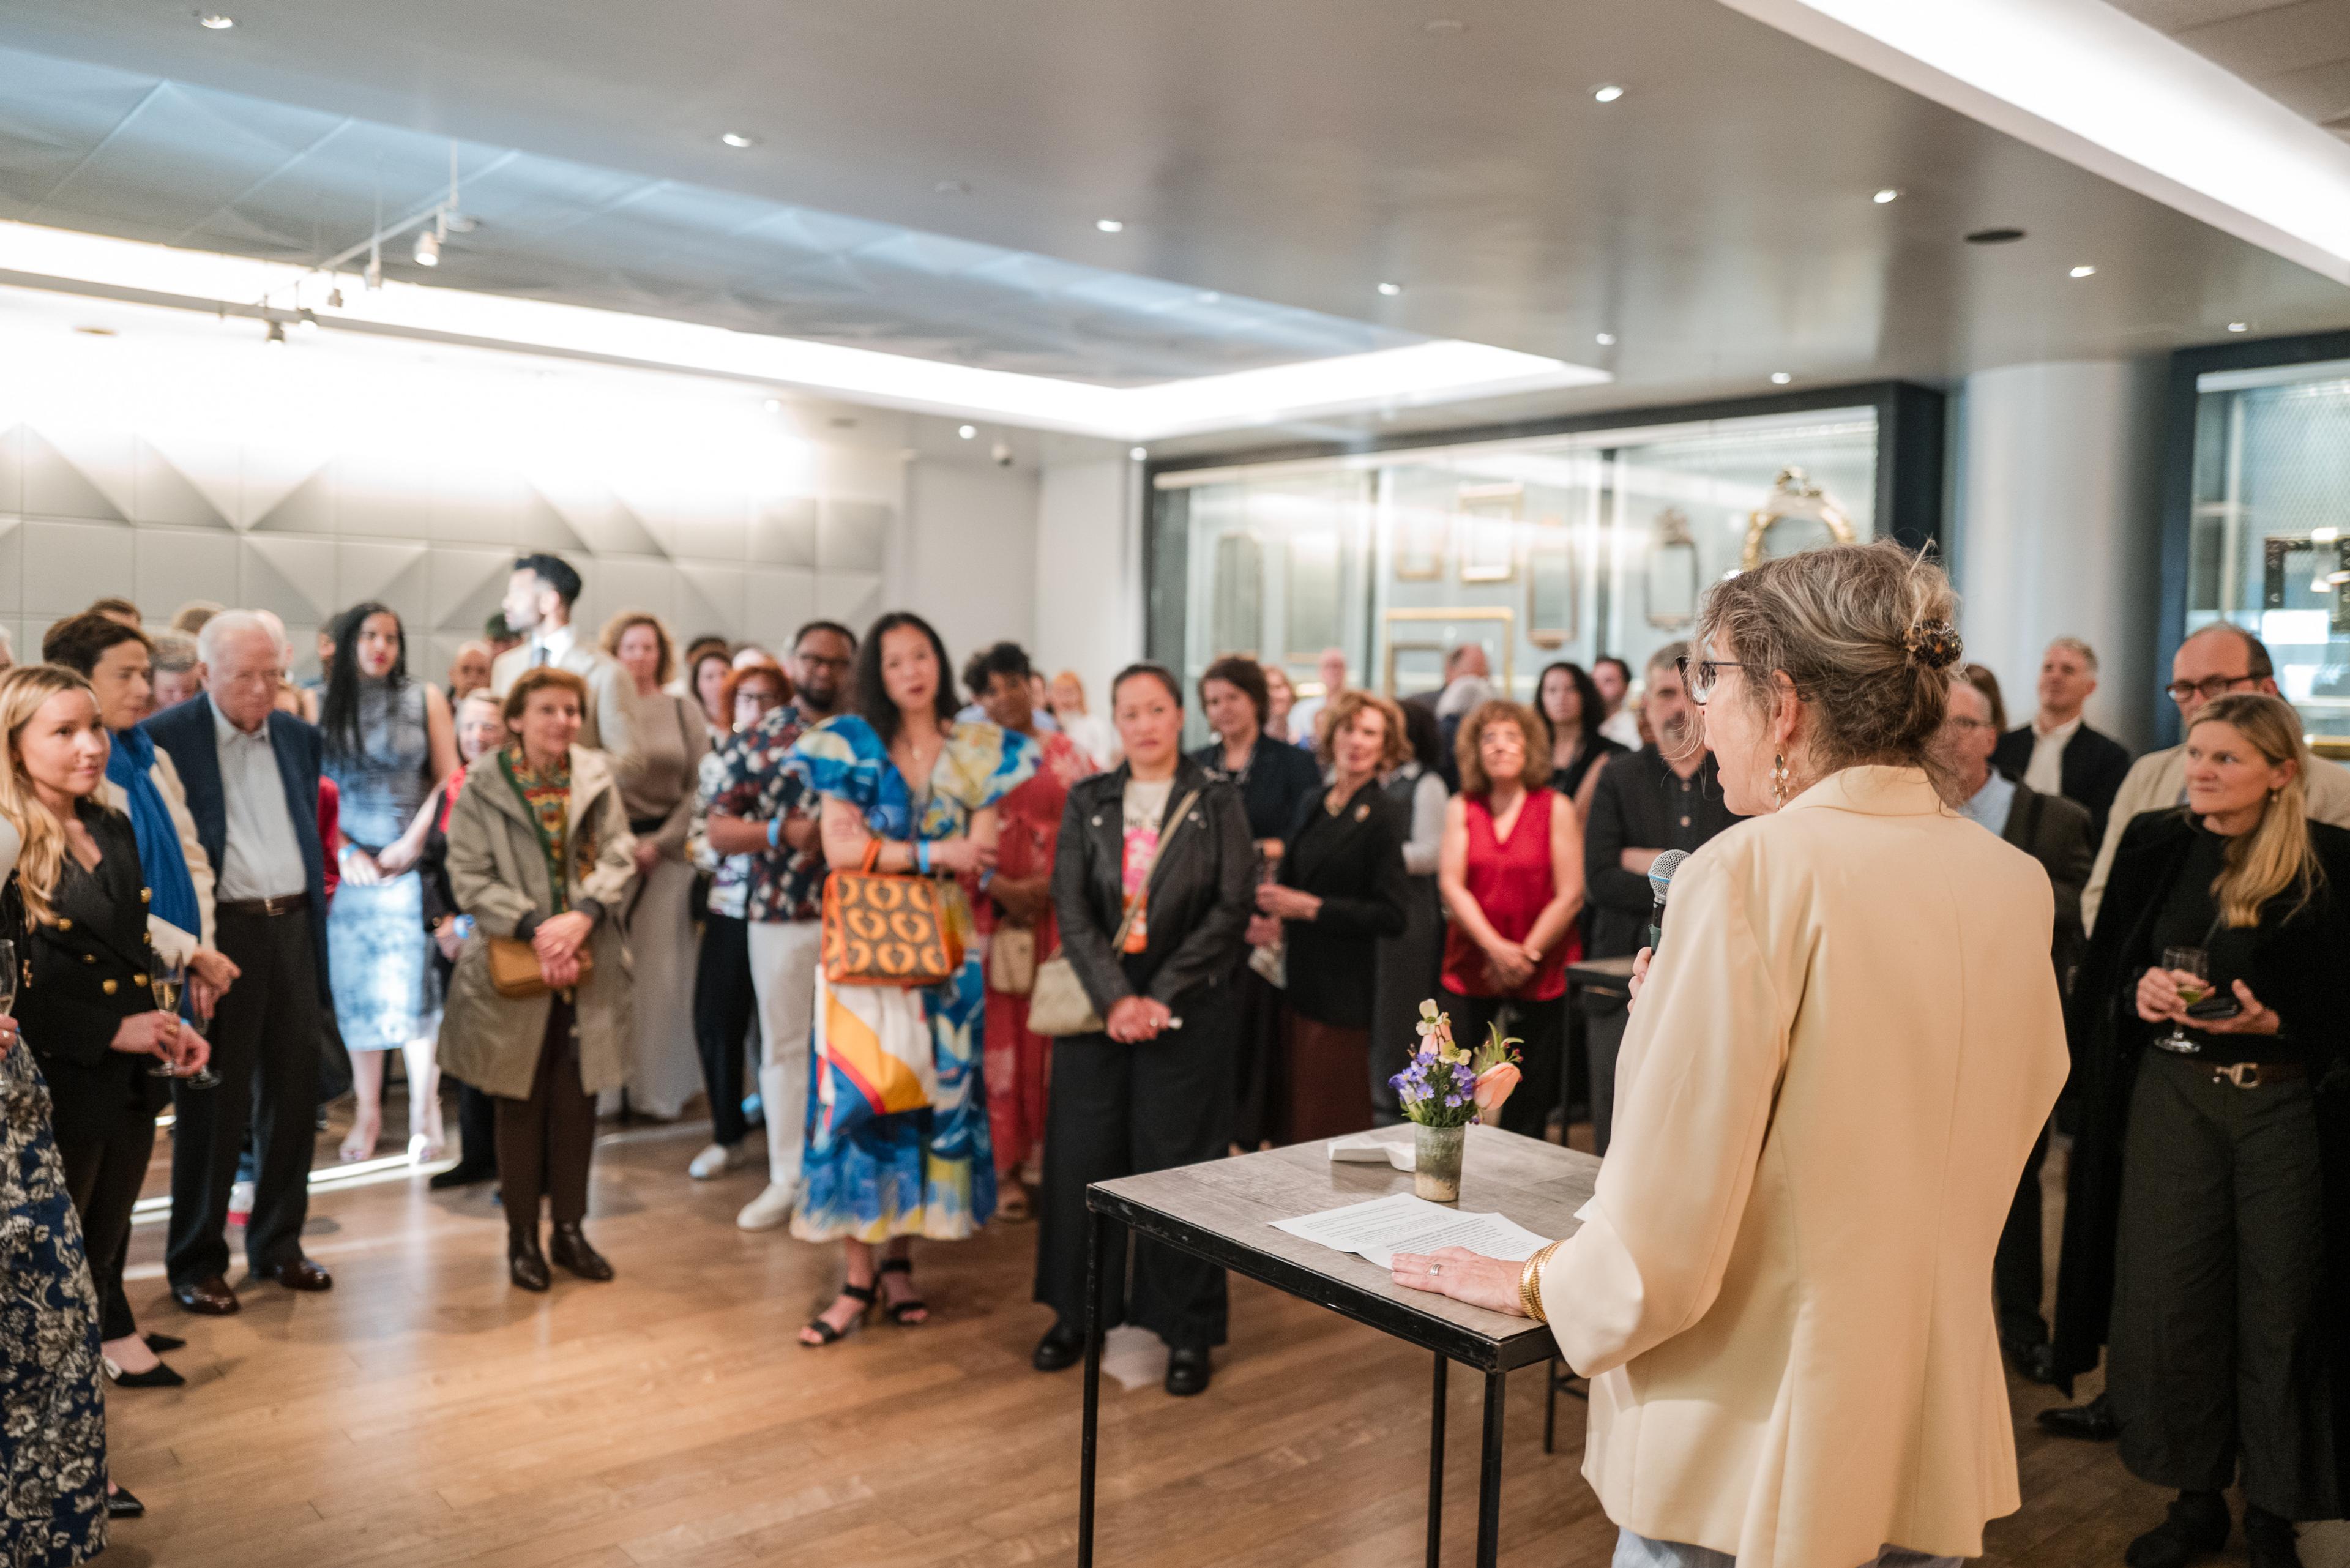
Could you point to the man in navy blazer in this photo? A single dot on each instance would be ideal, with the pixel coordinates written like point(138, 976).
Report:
point(252, 777)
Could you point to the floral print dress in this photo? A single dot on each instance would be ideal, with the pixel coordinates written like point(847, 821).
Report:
point(52, 1421)
point(925, 1172)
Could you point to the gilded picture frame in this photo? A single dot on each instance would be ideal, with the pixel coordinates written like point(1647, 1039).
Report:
point(1793, 498)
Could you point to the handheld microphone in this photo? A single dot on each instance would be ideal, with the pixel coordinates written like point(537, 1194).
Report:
point(1661, 877)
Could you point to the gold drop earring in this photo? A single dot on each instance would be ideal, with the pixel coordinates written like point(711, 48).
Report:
point(1778, 780)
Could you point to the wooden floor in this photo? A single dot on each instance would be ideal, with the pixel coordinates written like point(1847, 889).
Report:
point(425, 1413)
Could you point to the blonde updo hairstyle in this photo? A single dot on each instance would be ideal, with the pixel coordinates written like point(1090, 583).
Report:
point(1867, 632)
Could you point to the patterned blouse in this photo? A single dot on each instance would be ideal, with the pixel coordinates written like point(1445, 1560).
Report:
point(753, 784)
point(547, 795)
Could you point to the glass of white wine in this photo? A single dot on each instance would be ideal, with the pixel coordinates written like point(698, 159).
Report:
point(170, 980)
point(2190, 967)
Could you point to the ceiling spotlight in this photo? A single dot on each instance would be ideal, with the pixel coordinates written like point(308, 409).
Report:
point(2084, 271)
point(216, 21)
point(1608, 94)
point(1140, 453)
point(1109, 225)
point(307, 321)
point(968, 432)
point(427, 249)
point(334, 299)
point(1887, 194)
point(1606, 340)
point(1390, 289)
point(2239, 326)
point(276, 336)
point(734, 139)
point(1780, 378)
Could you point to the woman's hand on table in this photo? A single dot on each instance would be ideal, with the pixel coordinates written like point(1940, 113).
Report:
point(1465, 1276)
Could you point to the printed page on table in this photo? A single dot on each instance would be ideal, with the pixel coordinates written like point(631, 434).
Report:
point(1377, 1230)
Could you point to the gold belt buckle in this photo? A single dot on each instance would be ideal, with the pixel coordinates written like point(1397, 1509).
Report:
point(2244, 1075)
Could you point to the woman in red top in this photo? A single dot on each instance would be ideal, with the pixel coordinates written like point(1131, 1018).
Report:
point(1510, 871)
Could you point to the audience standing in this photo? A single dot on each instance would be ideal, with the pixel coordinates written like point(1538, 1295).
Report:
point(1094, 735)
point(178, 674)
point(481, 730)
point(389, 740)
point(1159, 851)
point(539, 853)
point(1666, 795)
point(1406, 964)
point(540, 593)
point(252, 774)
point(2058, 753)
point(1281, 701)
point(469, 671)
point(1305, 719)
point(707, 666)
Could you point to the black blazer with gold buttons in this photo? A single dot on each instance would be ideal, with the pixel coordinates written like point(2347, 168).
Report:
point(79, 977)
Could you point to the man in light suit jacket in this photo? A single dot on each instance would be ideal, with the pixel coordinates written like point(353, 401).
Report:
point(2058, 753)
point(539, 596)
point(251, 778)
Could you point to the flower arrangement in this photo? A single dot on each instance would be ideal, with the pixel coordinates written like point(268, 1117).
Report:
point(1445, 1085)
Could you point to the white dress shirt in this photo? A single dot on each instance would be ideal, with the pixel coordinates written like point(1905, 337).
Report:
point(263, 857)
point(550, 646)
point(2047, 773)
point(1990, 804)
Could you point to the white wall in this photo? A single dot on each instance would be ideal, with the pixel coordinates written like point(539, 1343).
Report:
point(1090, 571)
point(2056, 528)
point(968, 554)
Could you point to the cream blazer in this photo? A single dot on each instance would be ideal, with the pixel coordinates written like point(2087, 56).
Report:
point(1781, 1289)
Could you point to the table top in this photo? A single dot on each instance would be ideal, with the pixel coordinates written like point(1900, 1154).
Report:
point(1611, 975)
point(1224, 1210)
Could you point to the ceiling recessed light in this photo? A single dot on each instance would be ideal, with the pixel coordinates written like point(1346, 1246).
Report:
point(2239, 326)
point(1606, 340)
point(967, 432)
point(1138, 453)
point(2084, 271)
point(1994, 236)
point(734, 139)
point(1109, 225)
point(1780, 378)
point(216, 21)
point(275, 336)
point(1390, 289)
point(1887, 194)
point(307, 322)
point(1608, 94)
point(1444, 27)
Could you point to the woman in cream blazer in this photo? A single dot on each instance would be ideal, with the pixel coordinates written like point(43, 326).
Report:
point(1841, 1056)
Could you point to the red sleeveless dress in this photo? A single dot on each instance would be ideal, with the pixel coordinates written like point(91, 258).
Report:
point(1512, 882)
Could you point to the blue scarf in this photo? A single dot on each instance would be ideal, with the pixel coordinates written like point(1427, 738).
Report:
point(172, 891)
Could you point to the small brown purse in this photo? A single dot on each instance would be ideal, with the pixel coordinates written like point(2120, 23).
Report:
point(882, 929)
point(515, 972)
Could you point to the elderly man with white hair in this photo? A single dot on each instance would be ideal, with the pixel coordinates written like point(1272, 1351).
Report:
point(251, 772)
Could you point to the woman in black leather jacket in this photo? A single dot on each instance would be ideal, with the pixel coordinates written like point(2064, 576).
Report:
point(1154, 1088)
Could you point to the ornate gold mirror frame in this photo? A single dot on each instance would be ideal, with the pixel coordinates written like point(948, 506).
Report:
point(1793, 498)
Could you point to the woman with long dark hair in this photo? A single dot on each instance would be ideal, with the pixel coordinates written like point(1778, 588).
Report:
point(902, 782)
point(388, 742)
point(1570, 704)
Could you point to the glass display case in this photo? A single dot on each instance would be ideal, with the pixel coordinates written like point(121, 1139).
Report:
point(1538, 548)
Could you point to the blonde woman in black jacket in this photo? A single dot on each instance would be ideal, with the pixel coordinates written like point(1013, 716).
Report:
point(1154, 1089)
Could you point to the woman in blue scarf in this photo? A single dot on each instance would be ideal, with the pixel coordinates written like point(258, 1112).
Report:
point(141, 783)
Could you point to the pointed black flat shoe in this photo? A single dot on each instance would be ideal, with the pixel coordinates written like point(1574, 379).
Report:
point(156, 1377)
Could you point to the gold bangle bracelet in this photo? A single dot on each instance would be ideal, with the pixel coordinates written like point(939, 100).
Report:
point(1530, 1284)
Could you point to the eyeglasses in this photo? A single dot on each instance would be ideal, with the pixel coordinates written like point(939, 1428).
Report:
point(1700, 676)
point(1956, 723)
point(2210, 686)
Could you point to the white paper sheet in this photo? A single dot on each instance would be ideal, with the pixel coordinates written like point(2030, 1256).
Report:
point(1377, 1231)
point(1362, 1149)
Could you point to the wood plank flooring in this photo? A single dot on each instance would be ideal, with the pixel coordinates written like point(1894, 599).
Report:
point(425, 1413)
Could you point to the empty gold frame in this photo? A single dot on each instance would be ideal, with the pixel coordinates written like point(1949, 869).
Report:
point(1672, 571)
point(1551, 584)
point(1488, 531)
point(1500, 619)
point(1418, 544)
point(1237, 618)
point(1793, 498)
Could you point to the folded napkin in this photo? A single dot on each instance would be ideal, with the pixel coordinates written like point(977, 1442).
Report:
point(1363, 1149)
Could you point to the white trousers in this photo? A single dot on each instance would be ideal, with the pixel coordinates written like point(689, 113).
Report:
point(1639, 1551)
point(784, 957)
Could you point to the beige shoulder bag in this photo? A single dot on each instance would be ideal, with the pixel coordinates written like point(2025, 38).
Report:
point(1058, 1004)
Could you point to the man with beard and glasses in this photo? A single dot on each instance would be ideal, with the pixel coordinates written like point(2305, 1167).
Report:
point(1663, 796)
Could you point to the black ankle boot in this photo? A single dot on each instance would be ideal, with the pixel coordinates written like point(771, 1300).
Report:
point(2197, 1525)
point(2270, 1538)
point(569, 1249)
point(1061, 1348)
point(526, 1265)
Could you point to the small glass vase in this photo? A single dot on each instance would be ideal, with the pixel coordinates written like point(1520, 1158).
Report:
point(1436, 1162)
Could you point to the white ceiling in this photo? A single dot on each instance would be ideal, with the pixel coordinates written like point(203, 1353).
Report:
point(2296, 51)
point(1717, 220)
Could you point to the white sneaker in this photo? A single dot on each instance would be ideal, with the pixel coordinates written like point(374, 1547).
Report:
point(716, 1160)
point(770, 1208)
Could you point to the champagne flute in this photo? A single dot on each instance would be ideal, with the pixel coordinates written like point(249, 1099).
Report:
point(170, 981)
point(2190, 967)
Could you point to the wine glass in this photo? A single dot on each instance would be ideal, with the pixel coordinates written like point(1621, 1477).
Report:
point(2190, 967)
point(170, 981)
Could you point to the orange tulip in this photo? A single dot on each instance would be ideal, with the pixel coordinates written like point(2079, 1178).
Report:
point(1493, 1086)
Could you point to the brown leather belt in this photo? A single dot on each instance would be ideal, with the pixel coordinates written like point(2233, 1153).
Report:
point(2253, 1074)
point(285, 904)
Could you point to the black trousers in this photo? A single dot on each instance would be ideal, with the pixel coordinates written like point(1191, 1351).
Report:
point(544, 1143)
point(724, 1003)
point(104, 1149)
point(265, 1046)
point(1121, 1110)
point(1604, 1019)
point(1539, 1027)
point(2017, 1276)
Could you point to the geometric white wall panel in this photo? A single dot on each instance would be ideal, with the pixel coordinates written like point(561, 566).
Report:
point(782, 531)
point(854, 599)
point(12, 564)
point(615, 583)
point(388, 573)
point(61, 484)
point(382, 493)
point(195, 487)
point(851, 535)
point(292, 578)
point(67, 565)
point(472, 504)
point(778, 601)
point(12, 469)
point(175, 565)
point(707, 596)
point(462, 587)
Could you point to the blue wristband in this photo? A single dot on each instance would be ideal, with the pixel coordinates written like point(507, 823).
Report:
point(922, 856)
point(775, 832)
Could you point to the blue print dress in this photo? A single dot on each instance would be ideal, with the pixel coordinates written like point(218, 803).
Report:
point(926, 1172)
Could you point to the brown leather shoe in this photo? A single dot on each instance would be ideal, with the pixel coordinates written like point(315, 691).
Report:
point(567, 1247)
point(301, 1275)
point(209, 1298)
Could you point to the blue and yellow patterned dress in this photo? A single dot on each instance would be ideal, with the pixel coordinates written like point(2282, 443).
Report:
point(926, 1172)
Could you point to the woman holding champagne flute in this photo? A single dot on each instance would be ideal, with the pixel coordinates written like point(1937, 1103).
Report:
point(2198, 1224)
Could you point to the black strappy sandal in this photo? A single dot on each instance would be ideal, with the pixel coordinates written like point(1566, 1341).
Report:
point(827, 1334)
point(898, 1311)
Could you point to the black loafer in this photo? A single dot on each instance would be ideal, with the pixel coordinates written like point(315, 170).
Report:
point(567, 1246)
point(526, 1265)
point(1061, 1348)
point(2197, 1526)
point(1187, 1373)
point(120, 1504)
point(462, 1176)
point(2091, 1423)
point(2271, 1539)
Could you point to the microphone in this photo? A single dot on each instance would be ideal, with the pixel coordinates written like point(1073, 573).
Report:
point(1661, 877)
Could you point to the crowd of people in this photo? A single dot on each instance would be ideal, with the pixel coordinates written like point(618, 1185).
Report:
point(588, 874)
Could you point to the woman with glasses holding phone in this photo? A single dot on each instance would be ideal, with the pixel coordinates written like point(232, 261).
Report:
point(2198, 1227)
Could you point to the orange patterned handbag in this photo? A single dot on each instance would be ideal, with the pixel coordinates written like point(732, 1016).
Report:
point(886, 929)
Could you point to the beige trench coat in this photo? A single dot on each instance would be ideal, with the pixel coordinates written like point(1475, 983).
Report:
point(499, 874)
point(1782, 1288)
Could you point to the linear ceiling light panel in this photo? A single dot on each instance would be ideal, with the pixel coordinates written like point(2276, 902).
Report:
point(1418, 375)
point(2093, 85)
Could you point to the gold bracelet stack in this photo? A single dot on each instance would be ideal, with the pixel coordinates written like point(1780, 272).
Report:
point(1530, 1284)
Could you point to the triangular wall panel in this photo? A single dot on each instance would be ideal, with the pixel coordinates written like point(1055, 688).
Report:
point(55, 485)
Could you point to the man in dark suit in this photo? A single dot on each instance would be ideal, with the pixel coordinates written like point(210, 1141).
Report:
point(251, 778)
point(2057, 753)
point(2055, 832)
